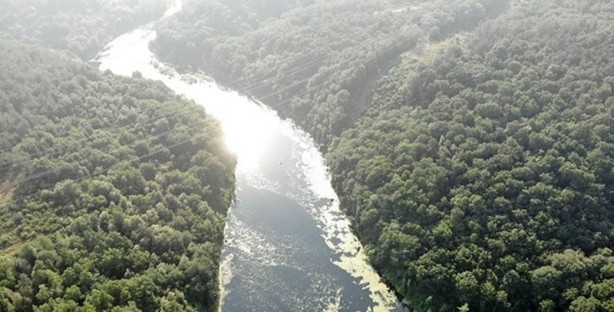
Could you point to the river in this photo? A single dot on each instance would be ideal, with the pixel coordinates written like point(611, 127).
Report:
point(287, 245)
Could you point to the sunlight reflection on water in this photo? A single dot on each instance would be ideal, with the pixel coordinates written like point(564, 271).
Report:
point(288, 247)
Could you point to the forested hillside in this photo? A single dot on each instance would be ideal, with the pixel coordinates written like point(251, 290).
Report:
point(487, 178)
point(479, 169)
point(113, 191)
point(83, 27)
point(314, 63)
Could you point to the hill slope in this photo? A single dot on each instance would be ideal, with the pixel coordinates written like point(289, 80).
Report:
point(479, 169)
point(485, 175)
point(114, 190)
point(83, 27)
point(316, 61)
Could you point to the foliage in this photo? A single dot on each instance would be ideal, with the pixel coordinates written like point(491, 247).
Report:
point(485, 177)
point(121, 190)
point(480, 177)
point(316, 61)
point(83, 27)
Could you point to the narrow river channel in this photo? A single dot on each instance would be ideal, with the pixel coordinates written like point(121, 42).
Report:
point(288, 247)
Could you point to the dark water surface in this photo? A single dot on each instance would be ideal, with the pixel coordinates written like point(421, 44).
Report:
point(288, 247)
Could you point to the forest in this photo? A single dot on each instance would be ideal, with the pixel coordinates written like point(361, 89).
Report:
point(307, 63)
point(470, 141)
point(82, 27)
point(113, 191)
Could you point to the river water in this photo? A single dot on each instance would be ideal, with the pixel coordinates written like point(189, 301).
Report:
point(287, 245)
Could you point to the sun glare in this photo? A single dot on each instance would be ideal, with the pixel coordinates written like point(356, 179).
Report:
point(246, 136)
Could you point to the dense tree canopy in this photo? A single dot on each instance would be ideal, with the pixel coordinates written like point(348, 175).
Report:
point(83, 27)
point(479, 170)
point(113, 191)
point(314, 63)
point(487, 178)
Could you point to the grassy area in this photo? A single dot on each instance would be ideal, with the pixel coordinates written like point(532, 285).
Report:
point(8, 241)
point(14, 247)
point(431, 50)
point(426, 55)
point(6, 193)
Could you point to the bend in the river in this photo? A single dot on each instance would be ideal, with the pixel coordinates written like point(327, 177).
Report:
point(287, 245)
